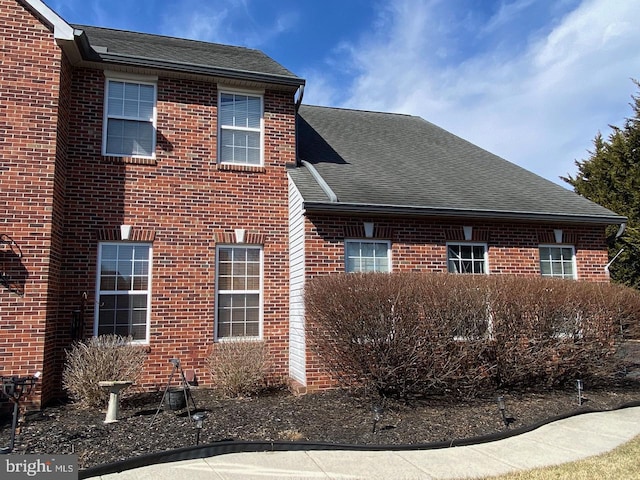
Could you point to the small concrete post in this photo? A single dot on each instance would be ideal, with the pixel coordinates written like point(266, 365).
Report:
point(114, 388)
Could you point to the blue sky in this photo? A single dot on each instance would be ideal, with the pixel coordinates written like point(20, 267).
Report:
point(530, 80)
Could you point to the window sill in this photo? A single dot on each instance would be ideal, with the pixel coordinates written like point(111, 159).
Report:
point(129, 160)
point(231, 167)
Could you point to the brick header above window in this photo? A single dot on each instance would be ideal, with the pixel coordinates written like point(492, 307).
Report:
point(548, 236)
point(253, 238)
point(456, 234)
point(357, 231)
point(137, 235)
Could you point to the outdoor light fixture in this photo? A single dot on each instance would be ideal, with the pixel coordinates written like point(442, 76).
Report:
point(580, 387)
point(198, 418)
point(502, 407)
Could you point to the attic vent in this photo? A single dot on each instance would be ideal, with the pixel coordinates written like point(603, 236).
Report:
point(100, 49)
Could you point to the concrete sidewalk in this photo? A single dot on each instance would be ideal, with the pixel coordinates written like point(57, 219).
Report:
point(563, 441)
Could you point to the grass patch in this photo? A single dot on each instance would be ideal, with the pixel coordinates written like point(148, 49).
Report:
point(623, 463)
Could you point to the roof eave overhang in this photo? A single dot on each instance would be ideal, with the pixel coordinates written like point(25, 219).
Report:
point(90, 55)
point(413, 211)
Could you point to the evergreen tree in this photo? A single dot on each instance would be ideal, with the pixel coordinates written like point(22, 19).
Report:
point(611, 178)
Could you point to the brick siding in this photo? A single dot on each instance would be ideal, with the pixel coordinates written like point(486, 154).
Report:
point(419, 245)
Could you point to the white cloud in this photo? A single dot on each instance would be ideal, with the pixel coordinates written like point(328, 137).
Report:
point(538, 105)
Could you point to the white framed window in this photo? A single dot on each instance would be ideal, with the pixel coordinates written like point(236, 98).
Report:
point(467, 258)
point(238, 292)
point(123, 290)
point(367, 255)
point(129, 118)
point(558, 261)
point(240, 128)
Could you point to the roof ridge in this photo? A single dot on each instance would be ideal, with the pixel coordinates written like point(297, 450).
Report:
point(358, 110)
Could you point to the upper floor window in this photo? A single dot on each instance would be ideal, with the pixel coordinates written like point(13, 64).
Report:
point(367, 256)
point(130, 119)
point(124, 290)
point(558, 261)
point(467, 258)
point(240, 128)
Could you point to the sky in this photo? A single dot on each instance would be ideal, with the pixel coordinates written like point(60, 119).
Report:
point(532, 81)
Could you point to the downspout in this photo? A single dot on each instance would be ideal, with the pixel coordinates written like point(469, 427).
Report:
point(621, 230)
point(297, 105)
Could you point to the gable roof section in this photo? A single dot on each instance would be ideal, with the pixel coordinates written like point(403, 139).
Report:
point(191, 56)
point(400, 164)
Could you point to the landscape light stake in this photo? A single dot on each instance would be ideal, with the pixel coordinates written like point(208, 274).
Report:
point(580, 387)
point(502, 407)
point(198, 418)
point(378, 411)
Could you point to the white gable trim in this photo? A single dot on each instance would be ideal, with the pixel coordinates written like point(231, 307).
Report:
point(61, 29)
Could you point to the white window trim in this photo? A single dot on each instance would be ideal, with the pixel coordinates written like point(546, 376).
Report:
point(96, 318)
point(367, 240)
point(470, 244)
point(249, 93)
point(573, 260)
point(129, 78)
point(260, 292)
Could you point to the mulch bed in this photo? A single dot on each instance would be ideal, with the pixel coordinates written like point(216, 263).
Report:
point(332, 416)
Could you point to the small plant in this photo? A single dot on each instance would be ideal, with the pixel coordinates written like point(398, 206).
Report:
point(239, 368)
point(107, 357)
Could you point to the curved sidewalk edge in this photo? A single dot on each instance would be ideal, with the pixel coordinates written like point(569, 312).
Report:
point(561, 439)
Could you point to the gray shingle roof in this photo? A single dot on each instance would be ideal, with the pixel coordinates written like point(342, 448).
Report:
point(382, 162)
point(144, 49)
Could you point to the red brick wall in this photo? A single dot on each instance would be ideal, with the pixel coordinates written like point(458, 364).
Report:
point(420, 245)
point(186, 203)
point(32, 180)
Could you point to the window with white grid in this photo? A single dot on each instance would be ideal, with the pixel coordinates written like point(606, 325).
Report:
point(124, 290)
point(367, 256)
point(240, 128)
point(558, 261)
point(238, 287)
point(467, 258)
point(130, 119)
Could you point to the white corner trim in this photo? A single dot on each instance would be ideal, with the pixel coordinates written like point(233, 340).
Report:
point(333, 198)
point(61, 29)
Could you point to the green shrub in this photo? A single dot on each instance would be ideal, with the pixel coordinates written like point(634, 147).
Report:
point(103, 358)
point(239, 368)
point(405, 334)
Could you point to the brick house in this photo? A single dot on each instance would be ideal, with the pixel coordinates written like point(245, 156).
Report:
point(177, 191)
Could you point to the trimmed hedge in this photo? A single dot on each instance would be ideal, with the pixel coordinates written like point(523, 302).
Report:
point(406, 334)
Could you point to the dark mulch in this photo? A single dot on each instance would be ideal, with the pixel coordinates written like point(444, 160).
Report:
point(332, 416)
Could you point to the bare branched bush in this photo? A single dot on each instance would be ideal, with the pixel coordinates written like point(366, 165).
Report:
point(405, 334)
point(239, 368)
point(103, 358)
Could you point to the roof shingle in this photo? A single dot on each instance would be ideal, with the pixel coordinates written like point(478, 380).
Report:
point(382, 161)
